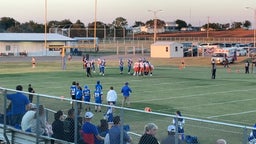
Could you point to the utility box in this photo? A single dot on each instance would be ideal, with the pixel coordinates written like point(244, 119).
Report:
point(166, 49)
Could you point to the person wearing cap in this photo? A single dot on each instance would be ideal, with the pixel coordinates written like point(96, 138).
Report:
point(170, 138)
point(149, 135)
point(90, 132)
point(87, 97)
point(126, 90)
point(221, 141)
point(28, 117)
point(115, 133)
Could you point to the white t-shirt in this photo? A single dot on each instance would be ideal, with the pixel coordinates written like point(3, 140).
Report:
point(111, 95)
point(27, 120)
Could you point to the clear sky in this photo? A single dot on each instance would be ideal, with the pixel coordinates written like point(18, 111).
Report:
point(195, 12)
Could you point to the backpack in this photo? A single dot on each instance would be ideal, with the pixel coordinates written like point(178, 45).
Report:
point(191, 139)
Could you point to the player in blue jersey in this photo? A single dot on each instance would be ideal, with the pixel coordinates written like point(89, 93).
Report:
point(129, 65)
point(79, 96)
point(98, 100)
point(121, 66)
point(73, 88)
point(126, 90)
point(102, 67)
point(87, 97)
point(99, 86)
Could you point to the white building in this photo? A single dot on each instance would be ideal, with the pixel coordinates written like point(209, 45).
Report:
point(33, 44)
point(166, 49)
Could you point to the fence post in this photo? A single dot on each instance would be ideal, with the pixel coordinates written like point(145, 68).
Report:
point(37, 119)
point(5, 124)
point(245, 140)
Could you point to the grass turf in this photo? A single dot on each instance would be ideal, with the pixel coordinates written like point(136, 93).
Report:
point(229, 98)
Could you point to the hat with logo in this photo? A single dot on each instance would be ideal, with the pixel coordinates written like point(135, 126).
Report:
point(171, 128)
point(88, 115)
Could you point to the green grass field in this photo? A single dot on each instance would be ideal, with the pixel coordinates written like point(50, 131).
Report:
point(230, 98)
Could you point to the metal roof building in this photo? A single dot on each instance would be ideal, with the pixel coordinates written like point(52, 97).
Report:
point(33, 44)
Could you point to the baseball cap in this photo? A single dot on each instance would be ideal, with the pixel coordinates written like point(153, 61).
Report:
point(171, 128)
point(126, 83)
point(88, 115)
point(33, 106)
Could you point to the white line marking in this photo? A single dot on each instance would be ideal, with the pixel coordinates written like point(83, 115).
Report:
point(245, 112)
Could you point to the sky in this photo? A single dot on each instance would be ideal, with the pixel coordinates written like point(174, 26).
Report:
point(196, 12)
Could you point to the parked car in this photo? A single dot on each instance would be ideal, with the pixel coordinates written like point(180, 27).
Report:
point(241, 52)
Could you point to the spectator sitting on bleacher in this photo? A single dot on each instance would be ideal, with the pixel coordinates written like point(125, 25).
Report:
point(149, 136)
point(170, 139)
point(20, 104)
point(41, 126)
point(58, 125)
point(115, 131)
point(69, 126)
point(103, 128)
point(26, 121)
point(89, 131)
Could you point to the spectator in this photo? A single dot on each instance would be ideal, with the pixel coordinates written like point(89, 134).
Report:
point(40, 126)
point(178, 121)
point(115, 131)
point(31, 90)
point(19, 106)
point(89, 131)
point(221, 141)
point(58, 125)
point(87, 97)
point(69, 126)
point(170, 139)
point(28, 117)
point(149, 136)
point(103, 128)
point(126, 90)
point(111, 96)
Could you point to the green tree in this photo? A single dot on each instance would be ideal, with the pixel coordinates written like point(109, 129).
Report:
point(159, 23)
point(180, 24)
point(100, 27)
point(138, 23)
point(6, 22)
point(247, 24)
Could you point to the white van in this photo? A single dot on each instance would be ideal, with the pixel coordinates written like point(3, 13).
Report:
point(220, 55)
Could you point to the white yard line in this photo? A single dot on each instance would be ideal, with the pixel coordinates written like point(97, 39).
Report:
point(230, 114)
point(194, 95)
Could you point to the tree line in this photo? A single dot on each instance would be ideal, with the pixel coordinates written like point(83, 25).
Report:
point(118, 27)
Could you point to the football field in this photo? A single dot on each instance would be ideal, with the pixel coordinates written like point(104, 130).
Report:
point(230, 98)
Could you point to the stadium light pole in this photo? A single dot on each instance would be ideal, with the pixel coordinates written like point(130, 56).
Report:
point(254, 26)
point(155, 21)
point(45, 24)
point(95, 24)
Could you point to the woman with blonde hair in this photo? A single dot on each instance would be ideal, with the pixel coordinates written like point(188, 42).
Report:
point(149, 135)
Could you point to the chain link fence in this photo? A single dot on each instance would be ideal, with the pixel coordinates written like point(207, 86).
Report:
point(70, 126)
